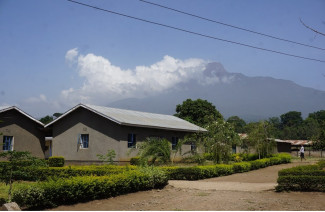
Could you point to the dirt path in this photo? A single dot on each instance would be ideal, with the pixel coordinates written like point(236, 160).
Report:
point(246, 191)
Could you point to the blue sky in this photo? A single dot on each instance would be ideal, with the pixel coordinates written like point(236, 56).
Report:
point(55, 54)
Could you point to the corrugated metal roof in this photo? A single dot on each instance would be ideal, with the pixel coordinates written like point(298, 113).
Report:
point(139, 119)
point(299, 142)
point(4, 109)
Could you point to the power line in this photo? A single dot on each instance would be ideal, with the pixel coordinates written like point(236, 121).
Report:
point(195, 33)
point(229, 25)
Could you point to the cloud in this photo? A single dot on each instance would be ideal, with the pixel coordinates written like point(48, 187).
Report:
point(71, 55)
point(41, 98)
point(104, 82)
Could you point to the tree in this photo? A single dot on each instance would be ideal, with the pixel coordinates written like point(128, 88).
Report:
point(197, 111)
point(291, 124)
point(57, 115)
point(220, 139)
point(155, 149)
point(259, 136)
point(319, 142)
point(291, 119)
point(238, 123)
point(47, 119)
point(108, 158)
point(14, 165)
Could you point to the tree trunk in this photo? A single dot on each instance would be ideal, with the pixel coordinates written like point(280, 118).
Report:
point(10, 186)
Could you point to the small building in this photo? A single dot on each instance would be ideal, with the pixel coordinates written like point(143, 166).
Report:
point(21, 132)
point(87, 130)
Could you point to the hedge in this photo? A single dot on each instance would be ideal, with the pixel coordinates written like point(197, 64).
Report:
point(301, 183)
point(81, 189)
point(56, 161)
point(73, 171)
point(202, 172)
point(197, 172)
point(302, 178)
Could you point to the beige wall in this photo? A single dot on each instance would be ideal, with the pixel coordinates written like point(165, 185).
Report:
point(27, 134)
point(103, 135)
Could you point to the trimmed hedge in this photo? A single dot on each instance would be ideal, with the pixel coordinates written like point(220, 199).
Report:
point(73, 171)
point(301, 183)
point(197, 172)
point(202, 172)
point(56, 161)
point(302, 178)
point(81, 189)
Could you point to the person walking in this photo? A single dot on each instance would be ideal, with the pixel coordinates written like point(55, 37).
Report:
point(302, 153)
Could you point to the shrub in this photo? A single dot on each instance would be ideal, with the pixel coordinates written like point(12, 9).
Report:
point(261, 163)
point(135, 161)
point(80, 189)
point(241, 167)
point(301, 183)
point(56, 161)
point(321, 164)
point(197, 172)
point(302, 178)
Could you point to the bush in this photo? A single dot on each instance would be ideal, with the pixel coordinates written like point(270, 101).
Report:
point(301, 183)
point(135, 161)
point(197, 172)
point(81, 189)
point(241, 167)
point(73, 171)
point(302, 178)
point(321, 164)
point(56, 161)
point(260, 163)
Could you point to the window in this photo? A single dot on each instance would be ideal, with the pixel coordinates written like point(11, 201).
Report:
point(193, 147)
point(84, 141)
point(174, 142)
point(8, 144)
point(234, 149)
point(132, 140)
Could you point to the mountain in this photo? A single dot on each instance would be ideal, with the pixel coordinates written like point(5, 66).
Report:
point(251, 98)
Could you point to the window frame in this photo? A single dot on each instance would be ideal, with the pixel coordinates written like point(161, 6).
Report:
point(82, 141)
point(11, 146)
point(132, 140)
point(174, 142)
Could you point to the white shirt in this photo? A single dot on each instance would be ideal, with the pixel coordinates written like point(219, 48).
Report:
point(302, 149)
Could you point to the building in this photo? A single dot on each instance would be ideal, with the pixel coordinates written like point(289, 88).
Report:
point(21, 132)
point(87, 130)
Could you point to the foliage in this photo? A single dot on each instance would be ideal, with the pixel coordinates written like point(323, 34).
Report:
point(56, 161)
point(197, 172)
point(202, 172)
point(219, 140)
point(41, 173)
point(319, 142)
point(238, 124)
point(302, 178)
point(108, 158)
point(15, 161)
point(155, 149)
point(80, 189)
point(46, 119)
point(197, 112)
point(259, 137)
point(135, 161)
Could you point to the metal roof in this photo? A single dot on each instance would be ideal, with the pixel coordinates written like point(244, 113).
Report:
point(138, 119)
point(4, 109)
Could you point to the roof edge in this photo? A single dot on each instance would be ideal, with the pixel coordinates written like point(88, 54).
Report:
point(75, 108)
point(22, 112)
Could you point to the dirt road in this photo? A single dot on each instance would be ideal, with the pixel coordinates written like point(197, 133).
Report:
point(246, 191)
